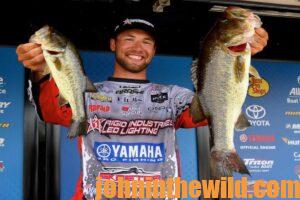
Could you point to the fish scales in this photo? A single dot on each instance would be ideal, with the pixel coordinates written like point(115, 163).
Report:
point(65, 66)
point(223, 96)
point(221, 81)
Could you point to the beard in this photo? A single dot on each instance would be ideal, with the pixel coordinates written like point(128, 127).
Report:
point(133, 68)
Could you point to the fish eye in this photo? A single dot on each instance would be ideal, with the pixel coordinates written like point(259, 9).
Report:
point(52, 52)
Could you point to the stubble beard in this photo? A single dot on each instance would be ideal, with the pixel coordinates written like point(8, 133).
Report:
point(129, 67)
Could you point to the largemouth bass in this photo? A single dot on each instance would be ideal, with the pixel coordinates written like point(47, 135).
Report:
point(221, 78)
point(65, 67)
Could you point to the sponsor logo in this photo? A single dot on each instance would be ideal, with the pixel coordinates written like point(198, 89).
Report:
point(131, 110)
point(2, 140)
point(100, 97)
point(130, 174)
point(4, 125)
point(2, 91)
point(243, 138)
point(297, 171)
point(103, 108)
point(258, 87)
point(129, 152)
point(294, 95)
point(132, 127)
point(294, 127)
point(291, 142)
point(257, 138)
point(129, 86)
point(298, 80)
point(157, 109)
point(258, 165)
point(159, 98)
point(3, 105)
point(292, 113)
point(129, 91)
point(1, 166)
point(294, 92)
point(296, 156)
point(256, 113)
point(2, 83)
point(130, 100)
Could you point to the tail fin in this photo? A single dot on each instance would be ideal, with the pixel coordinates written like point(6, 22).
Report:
point(77, 128)
point(223, 164)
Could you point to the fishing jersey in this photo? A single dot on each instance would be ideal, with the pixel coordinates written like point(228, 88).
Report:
point(130, 129)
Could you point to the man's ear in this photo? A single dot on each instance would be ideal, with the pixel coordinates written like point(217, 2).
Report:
point(112, 44)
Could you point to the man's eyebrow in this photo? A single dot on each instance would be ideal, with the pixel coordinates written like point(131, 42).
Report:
point(129, 35)
point(148, 39)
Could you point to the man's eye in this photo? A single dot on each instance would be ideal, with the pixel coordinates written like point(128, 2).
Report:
point(128, 39)
point(148, 42)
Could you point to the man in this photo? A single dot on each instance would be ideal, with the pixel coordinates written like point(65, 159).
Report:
point(133, 143)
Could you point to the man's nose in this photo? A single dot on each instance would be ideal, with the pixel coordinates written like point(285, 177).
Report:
point(138, 45)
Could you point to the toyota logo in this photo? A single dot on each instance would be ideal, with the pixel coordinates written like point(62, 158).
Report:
point(255, 112)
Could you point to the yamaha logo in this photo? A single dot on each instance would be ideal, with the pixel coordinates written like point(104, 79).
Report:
point(103, 151)
point(256, 112)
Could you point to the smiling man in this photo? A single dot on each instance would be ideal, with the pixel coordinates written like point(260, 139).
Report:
point(129, 138)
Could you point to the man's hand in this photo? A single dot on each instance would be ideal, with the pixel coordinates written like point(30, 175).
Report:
point(260, 40)
point(31, 55)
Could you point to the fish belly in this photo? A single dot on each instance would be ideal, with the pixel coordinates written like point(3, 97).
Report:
point(70, 81)
point(222, 96)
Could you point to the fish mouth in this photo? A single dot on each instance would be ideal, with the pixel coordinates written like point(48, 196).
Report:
point(54, 53)
point(238, 48)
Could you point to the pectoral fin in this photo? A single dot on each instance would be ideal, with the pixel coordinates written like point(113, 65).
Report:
point(239, 68)
point(254, 72)
point(90, 86)
point(61, 100)
point(57, 64)
point(46, 70)
point(242, 123)
point(196, 110)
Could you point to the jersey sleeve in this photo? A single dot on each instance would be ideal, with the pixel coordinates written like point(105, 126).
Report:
point(44, 96)
point(181, 100)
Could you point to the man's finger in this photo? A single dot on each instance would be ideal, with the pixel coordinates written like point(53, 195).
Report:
point(23, 48)
point(38, 68)
point(31, 54)
point(38, 60)
point(259, 40)
point(262, 33)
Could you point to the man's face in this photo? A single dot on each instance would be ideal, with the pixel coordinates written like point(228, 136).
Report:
point(134, 49)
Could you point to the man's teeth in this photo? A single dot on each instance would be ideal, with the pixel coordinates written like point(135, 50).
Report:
point(135, 57)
